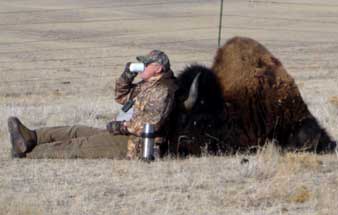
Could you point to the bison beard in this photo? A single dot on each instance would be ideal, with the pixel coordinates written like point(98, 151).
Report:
point(245, 100)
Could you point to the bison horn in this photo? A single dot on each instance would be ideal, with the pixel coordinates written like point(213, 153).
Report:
point(193, 94)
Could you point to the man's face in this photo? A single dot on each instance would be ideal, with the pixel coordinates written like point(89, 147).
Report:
point(151, 70)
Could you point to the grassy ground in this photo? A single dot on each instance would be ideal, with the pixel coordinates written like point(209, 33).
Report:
point(58, 63)
point(269, 183)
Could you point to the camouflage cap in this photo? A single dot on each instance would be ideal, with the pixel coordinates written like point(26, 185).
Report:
point(155, 56)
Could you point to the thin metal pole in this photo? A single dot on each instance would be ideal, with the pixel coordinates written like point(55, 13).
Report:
point(220, 25)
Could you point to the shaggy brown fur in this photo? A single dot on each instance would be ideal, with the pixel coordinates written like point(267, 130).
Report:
point(268, 101)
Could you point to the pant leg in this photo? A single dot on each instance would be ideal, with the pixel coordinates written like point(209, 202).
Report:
point(101, 145)
point(62, 133)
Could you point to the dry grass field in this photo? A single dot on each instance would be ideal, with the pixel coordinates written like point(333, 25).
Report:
point(58, 63)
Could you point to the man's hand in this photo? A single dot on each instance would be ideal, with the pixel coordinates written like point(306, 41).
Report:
point(117, 128)
point(128, 74)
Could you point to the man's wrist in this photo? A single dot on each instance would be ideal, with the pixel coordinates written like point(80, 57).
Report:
point(127, 74)
point(127, 77)
point(117, 128)
point(124, 128)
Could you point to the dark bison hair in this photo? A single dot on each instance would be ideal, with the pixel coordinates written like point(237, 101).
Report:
point(210, 98)
point(199, 129)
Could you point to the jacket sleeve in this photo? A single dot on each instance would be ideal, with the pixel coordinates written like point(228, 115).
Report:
point(156, 109)
point(124, 89)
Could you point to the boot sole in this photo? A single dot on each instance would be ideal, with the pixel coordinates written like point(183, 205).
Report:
point(17, 140)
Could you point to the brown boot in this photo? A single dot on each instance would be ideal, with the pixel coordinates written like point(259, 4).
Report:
point(23, 140)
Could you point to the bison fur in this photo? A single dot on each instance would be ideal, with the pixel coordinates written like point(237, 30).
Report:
point(245, 99)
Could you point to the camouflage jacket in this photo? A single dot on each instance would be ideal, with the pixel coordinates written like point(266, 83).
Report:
point(154, 100)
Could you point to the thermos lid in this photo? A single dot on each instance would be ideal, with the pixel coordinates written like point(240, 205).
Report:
point(148, 128)
point(148, 131)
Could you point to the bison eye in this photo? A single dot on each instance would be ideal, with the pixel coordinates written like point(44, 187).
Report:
point(195, 123)
point(202, 102)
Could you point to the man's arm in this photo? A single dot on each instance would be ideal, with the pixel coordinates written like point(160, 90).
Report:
point(124, 86)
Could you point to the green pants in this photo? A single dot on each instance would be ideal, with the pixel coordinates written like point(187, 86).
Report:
point(78, 142)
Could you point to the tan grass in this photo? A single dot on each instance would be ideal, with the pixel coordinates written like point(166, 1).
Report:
point(295, 162)
point(327, 198)
point(24, 207)
point(2, 134)
point(334, 100)
point(300, 195)
point(279, 179)
point(270, 183)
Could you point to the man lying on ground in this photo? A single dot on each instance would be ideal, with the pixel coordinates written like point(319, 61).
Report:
point(152, 100)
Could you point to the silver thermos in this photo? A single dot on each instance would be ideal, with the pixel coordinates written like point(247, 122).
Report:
point(148, 136)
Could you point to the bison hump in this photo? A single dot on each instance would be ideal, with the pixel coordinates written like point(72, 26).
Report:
point(244, 66)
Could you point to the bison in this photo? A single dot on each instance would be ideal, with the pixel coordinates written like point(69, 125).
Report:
point(244, 100)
